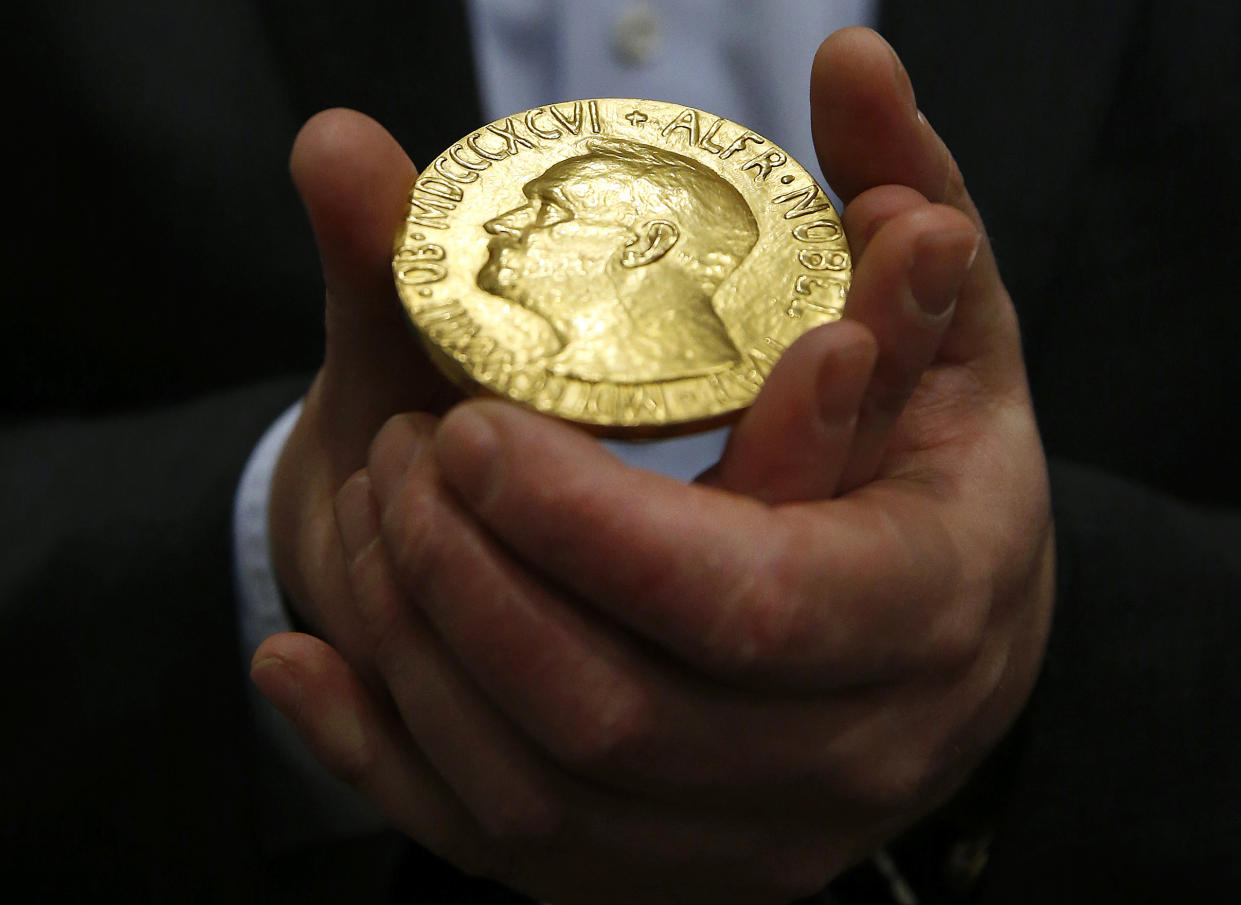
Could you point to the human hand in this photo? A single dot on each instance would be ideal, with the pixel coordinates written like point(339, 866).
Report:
point(353, 178)
point(612, 687)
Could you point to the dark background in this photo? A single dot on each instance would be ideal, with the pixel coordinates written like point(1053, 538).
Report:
point(159, 278)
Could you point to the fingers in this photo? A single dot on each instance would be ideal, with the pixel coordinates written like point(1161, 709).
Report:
point(500, 781)
point(342, 725)
point(794, 441)
point(353, 178)
point(540, 687)
point(904, 291)
point(500, 459)
point(601, 848)
point(869, 133)
point(863, 216)
point(523, 640)
point(566, 675)
point(865, 122)
point(823, 419)
point(505, 692)
point(736, 588)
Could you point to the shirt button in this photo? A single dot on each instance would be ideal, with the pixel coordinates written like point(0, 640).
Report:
point(636, 35)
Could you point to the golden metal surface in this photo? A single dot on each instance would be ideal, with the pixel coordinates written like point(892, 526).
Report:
point(631, 265)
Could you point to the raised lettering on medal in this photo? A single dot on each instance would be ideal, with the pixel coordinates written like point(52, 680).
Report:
point(512, 141)
point(809, 200)
point(633, 266)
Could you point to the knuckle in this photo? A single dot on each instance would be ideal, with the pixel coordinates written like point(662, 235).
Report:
point(611, 731)
point(408, 533)
point(371, 603)
point(379, 600)
point(756, 627)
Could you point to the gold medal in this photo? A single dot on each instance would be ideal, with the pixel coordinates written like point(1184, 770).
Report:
point(634, 266)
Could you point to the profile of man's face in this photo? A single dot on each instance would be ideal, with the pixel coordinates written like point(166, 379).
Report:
point(620, 251)
point(560, 240)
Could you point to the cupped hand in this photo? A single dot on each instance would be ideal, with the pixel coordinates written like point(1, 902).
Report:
point(602, 685)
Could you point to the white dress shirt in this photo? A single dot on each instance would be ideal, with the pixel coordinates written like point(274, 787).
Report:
point(745, 60)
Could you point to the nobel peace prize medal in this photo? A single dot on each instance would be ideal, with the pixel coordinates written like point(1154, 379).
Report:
point(634, 266)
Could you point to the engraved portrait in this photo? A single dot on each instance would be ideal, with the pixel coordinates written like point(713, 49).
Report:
point(621, 249)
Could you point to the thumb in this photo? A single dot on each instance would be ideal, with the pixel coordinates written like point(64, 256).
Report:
point(353, 178)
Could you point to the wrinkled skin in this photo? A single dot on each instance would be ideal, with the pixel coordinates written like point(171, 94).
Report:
point(596, 684)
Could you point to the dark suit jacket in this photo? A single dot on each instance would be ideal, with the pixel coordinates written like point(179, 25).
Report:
point(164, 279)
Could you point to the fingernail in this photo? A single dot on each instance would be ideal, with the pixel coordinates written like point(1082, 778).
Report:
point(468, 451)
point(940, 264)
point(356, 514)
point(277, 684)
